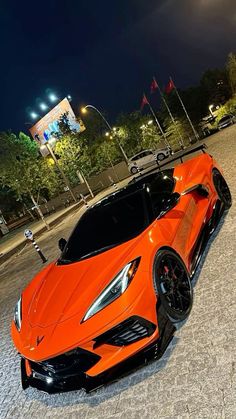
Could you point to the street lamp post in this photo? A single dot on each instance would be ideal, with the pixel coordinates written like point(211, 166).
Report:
point(210, 109)
point(113, 133)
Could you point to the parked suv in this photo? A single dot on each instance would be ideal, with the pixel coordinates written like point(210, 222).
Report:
point(146, 158)
point(226, 120)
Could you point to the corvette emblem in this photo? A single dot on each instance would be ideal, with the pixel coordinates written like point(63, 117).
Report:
point(39, 340)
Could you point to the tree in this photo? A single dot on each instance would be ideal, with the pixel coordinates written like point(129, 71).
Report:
point(9, 203)
point(215, 86)
point(73, 156)
point(138, 131)
point(231, 71)
point(22, 169)
point(178, 131)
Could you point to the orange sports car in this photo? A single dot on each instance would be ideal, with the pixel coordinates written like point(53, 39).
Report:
point(109, 303)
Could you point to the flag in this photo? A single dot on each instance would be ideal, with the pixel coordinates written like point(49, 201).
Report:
point(144, 101)
point(170, 86)
point(154, 85)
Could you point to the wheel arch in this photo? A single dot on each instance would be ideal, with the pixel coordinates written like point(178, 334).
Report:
point(160, 303)
point(167, 247)
point(171, 249)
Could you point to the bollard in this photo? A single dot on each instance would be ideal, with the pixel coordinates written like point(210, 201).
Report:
point(139, 171)
point(113, 183)
point(84, 200)
point(29, 236)
point(115, 186)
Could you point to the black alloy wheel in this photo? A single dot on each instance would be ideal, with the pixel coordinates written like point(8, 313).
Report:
point(222, 189)
point(172, 285)
point(160, 156)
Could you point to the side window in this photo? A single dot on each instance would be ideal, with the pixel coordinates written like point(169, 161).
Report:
point(135, 158)
point(161, 189)
point(148, 153)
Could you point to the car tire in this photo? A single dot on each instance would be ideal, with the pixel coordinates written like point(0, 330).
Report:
point(222, 189)
point(134, 170)
point(161, 156)
point(172, 284)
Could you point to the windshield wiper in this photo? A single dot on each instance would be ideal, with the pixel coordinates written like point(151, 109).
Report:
point(64, 261)
point(95, 252)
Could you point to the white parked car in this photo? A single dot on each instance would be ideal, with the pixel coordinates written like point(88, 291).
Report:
point(226, 120)
point(146, 158)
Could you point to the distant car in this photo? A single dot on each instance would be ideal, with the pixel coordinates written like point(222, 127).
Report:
point(146, 158)
point(226, 120)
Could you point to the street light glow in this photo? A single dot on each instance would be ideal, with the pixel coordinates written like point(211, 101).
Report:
point(43, 106)
point(33, 115)
point(52, 97)
point(83, 110)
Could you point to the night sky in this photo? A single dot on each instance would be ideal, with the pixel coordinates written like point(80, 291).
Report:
point(105, 52)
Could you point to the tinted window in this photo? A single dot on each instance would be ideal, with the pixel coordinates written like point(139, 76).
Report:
point(106, 225)
point(161, 188)
point(147, 153)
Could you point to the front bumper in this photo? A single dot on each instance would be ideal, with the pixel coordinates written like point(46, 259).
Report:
point(47, 377)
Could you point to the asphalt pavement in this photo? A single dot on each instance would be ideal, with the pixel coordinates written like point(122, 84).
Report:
point(196, 378)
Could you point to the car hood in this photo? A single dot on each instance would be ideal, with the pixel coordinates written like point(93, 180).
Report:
point(68, 290)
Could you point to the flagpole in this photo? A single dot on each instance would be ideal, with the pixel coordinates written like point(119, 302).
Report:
point(181, 143)
point(185, 110)
point(159, 125)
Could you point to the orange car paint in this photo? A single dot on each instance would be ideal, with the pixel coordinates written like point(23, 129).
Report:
point(55, 302)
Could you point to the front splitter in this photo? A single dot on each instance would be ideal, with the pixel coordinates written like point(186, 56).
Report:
point(54, 384)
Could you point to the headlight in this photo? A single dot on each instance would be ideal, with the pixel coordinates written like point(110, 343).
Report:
point(17, 315)
point(115, 289)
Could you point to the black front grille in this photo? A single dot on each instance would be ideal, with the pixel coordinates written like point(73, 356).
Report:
point(127, 332)
point(68, 364)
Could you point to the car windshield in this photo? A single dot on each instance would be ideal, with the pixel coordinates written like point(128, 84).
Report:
point(106, 225)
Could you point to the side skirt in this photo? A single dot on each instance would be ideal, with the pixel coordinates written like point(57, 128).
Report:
point(205, 234)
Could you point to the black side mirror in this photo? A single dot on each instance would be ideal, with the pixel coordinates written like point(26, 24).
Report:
point(173, 200)
point(169, 203)
point(62, 243)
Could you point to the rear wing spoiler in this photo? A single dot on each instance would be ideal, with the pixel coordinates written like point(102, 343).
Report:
point(182, 153)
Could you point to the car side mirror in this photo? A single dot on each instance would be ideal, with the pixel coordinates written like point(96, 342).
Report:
point(169, 203)
point(62, 243)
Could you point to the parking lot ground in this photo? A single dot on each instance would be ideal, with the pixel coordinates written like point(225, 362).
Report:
point(196, 378)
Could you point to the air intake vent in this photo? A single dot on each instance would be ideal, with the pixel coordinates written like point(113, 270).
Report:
point(127, 332)
point(71, 363)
